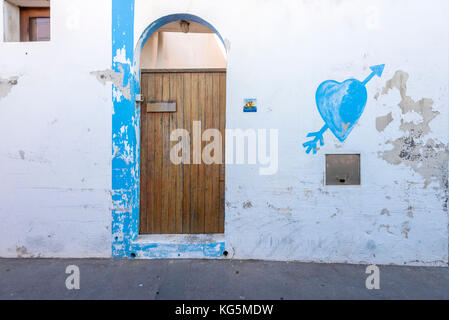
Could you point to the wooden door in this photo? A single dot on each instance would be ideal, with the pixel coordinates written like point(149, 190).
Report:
point(184, 198)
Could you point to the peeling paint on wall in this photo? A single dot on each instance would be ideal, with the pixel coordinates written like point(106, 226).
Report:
point(383, 122)
point(124, 173)
point(405, 229)
point(117, 79)
point(6, 85)
point(247, 205)
point(407, 104)
point(427, 157)
point(22, 252)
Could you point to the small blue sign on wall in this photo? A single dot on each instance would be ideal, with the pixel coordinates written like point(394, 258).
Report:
point(250, 105)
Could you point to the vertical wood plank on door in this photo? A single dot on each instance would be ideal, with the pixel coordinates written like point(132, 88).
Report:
point(216, 167)
point(165, 155)
point(143, 223)
point(222, 112)
point(209, 221)
point(194, 168)
point(149, 147)
point(179, 194)
point(158, 159)
point(171, 179)
point(198, 223)
point(187, 168)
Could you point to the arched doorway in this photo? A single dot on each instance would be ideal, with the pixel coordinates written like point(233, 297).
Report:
point(183, 87)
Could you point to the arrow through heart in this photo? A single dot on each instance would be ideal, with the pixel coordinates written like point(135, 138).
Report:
point(341, 104)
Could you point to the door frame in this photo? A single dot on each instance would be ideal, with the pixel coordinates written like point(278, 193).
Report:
point(126, 242)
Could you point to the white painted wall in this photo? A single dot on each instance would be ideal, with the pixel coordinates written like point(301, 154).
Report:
point(55, 154)
point(176, 50)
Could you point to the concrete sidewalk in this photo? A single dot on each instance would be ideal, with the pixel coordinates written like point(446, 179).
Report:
point(217, 279)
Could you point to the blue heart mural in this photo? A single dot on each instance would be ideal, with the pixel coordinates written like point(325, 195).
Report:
point(341, 104)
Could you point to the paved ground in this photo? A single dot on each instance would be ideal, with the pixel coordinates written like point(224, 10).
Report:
point(198, 279)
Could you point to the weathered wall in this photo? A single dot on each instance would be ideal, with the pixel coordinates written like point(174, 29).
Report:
point(55, 154)
point(279, 52)
point(55, 108)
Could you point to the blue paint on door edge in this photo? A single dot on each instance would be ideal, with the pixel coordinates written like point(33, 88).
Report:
point(125, 142)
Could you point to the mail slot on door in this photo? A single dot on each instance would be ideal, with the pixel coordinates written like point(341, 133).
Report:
point(342, 169)
point(161, 107)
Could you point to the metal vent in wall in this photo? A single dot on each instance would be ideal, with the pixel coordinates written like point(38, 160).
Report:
point(343, 169)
